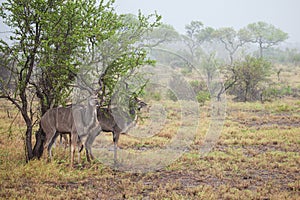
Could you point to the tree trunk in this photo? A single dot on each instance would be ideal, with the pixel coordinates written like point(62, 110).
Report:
point(231, 58)
point(40, 135)
point(28, 133)
point(246, 92)
point(39, 144)
point(260, 49)
point(28, 121)
point(29, 153)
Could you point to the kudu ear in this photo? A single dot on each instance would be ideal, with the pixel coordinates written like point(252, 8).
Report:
point(143, 104)
point(140, 103)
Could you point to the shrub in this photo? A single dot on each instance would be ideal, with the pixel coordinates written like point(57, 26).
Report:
point(250, 76)
point(203, 96)
point(278, 91)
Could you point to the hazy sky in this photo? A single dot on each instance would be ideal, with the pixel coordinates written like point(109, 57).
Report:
point(284, 14)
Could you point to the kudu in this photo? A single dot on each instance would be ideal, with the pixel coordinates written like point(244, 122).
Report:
point(110, 121)
point(78, 120)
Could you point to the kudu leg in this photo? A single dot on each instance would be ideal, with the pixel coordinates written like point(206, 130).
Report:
point(115, 153)
point(80, 147)
point(115, 139)
point(64, 140)
point(74, 138)
point(49, 142)
point(89, 142)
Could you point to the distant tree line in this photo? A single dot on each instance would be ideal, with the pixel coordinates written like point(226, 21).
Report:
point(229, 52)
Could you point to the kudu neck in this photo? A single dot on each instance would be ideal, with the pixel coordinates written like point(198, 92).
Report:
point(91, 111)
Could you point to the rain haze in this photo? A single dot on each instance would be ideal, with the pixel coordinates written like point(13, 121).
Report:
point(283, 14)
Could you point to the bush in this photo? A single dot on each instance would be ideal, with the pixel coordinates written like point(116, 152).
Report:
point(278, 91)
point(251, 75)
point(198, 86)
point(186, 71)
point(201, 91)
point(203, 96)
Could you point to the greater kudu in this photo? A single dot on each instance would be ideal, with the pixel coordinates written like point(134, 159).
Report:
point(78, 120)
point(112, 121)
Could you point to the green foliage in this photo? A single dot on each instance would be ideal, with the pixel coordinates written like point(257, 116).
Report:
point(203, 96)
point(70, 37)
point(266, 35)
point(52, 37)
point(209, 65)
point(286, 56)
point(67, 36)
point(196, 30)
point(284, 108)
point(161, 34)
point(198, 86)
point(277, 91)
point(186, 70)
point(230, 39)
point(251, 75)
point(118, 57)
point(196, 35)
point(201, 91)
point(194, 84)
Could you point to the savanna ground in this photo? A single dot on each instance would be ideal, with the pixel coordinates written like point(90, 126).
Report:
point(256, 157)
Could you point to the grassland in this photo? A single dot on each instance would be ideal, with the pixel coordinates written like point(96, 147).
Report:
point(256, 157)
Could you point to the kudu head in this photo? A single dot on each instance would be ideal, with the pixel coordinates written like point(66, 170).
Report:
point(140, 104)
point(136, 105)
point(93, 100)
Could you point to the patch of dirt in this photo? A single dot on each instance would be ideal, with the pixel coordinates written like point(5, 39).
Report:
point(265, 120)
point(252, 150)
point(63, 185)
point(181, 181)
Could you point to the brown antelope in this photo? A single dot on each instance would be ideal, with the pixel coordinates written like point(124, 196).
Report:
point(111, 121)
point(78, 120)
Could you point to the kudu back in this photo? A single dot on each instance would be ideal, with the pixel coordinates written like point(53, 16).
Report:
point(78, 120)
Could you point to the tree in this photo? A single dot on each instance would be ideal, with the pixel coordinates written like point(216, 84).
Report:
point(118, 57)
point(159, 39)
point(162, 34)
point(196, 35)
point(209, 65)
point(66, 32)
point(266, 35)
point(230, 39)
point(250, 76)
point(51, 42)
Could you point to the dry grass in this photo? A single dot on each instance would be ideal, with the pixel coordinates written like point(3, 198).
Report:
point(256, 157)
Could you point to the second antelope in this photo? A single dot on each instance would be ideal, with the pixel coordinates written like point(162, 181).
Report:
point(113, 121)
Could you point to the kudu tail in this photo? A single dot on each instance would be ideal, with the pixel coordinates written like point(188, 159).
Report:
point(79, 143)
